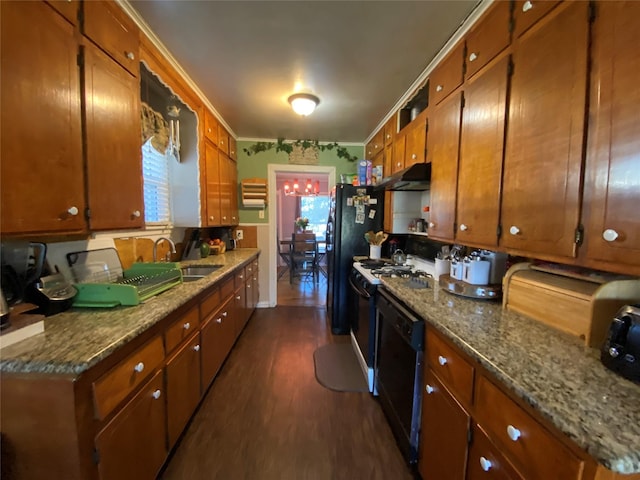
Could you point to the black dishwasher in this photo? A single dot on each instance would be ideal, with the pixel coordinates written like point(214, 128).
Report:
point(399, 370)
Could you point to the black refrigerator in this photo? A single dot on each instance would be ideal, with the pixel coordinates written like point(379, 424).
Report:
point(352, 212)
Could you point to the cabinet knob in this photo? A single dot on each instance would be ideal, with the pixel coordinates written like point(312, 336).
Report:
point(432, 225)
point(248, 286)
point(513, 433)
point(439, 88)
point(156, 395)
point(237, 297)
point(186, 326)
point(139, 367)
point(473, 56)
point(610, 235)
point(136, 213)
point(463, 228)
point(209, 129)
point(388, 135)
point(398, 164)
point(130, 55)
point(224, 314)
point(442, 360)
point(196, 348)
point(73, 211)
point(219, 320)
point(224, 217)
point(514, 230)
point(485, 464)
point(413, 156)
point(429, 389)
point(212, 218)
point(526, 6)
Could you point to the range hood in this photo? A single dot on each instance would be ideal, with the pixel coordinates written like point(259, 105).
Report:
point(415, 178)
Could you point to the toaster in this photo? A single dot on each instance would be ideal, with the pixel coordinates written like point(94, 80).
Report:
point(621, 350)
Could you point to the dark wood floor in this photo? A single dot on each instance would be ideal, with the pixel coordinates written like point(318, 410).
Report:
point(266, 417)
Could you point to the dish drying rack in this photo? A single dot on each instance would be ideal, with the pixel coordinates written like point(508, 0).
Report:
point(102, 283)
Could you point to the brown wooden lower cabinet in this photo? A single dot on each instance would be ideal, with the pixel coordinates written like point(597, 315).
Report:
point(444, 432)
point(133, 444)
point(218, 335)
point(485, 461)
point(183, 387)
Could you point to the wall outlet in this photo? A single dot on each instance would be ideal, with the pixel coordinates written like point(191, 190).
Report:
point(239, 234)
point(261, 214)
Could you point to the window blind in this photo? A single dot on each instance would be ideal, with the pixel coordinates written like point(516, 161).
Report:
point(155, 172)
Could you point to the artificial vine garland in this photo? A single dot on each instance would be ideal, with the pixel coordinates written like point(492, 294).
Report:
point(281, 146)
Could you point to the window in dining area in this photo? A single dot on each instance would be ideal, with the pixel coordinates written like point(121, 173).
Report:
point(316, 209)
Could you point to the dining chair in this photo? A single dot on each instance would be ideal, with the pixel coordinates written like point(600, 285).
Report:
point(303, 256)
point(284, 251)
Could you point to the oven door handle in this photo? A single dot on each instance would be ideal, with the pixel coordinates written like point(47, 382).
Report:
point(359, 291)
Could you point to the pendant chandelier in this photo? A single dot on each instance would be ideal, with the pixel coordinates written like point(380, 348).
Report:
point(310, 188)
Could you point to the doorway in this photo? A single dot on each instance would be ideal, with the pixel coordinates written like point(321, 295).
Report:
point(303, 291)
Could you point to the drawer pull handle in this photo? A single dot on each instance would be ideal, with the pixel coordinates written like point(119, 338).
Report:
point(527, 6)
point(610, 235)
point(442, 360)
point(473, 56)
point(156, 394)
point(513, 432)
point(196, 348)
point(186, 326)
point(485, 464)
point(218, 320)
point(429, 389)
point(139, 367)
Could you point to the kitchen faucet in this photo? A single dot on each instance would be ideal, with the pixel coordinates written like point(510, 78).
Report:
point(155, 248)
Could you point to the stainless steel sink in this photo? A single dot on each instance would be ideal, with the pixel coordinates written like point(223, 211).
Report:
point(197, 272)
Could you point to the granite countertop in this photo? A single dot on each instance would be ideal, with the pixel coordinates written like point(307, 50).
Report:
point(553, 372)
point(75, 340)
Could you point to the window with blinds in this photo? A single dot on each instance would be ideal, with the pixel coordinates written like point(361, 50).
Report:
point(155, 171)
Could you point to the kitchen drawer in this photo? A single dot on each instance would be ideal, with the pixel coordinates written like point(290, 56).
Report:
point(527, 12)
point(447, 76)
point(181, 328)
point(532, 449)
point(115, 385)
point(450, 367)
point(112, 30)
point(488, 38)
point(239, 278)
point(485, 461)
point(227, 288)
point(210, 304)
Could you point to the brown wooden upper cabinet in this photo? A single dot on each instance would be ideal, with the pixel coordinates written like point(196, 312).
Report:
point(544, 147)
point(114, 31)
point(376, 145)
point(612, 179)
point(443, 143)
point(114, 157)
point(481, 151)
point(527, 12)
point(415, 140)
point(398, 152)
point(233, 148)
point(223, 140)
point(488, 37)
point(390, 129)
point(210, 127)
point(447, 76)
point(212, 190)
point(45, 193)
point(67, 8)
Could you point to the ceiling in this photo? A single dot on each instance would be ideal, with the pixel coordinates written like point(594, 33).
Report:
point(361, 58)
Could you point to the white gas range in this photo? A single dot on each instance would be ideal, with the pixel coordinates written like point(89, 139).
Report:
point(364, 279)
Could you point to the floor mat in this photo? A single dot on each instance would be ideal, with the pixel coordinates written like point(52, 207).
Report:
point(337, 368)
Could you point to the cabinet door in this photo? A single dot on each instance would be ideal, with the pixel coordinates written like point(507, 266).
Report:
point(488, 38)
point(485, 460)
point(67, 8)
point(481, 149)
point(114, 31)
point(447, 76)
point(613, 160)
point(416, 140)
point(443, 433)
point(233, 149)
point(399, 146)
point(240, 316)
point(133, 445)
point(443, 141)
point(527, 12)
point(390, 129)
point(210, 127)
point(42, 177)
point(227, 184)
point(545, 134)
point(223, 140)
point(233, 180)
point(218, 335)
point(212, 173)
point(113, 149)
point(183, 387)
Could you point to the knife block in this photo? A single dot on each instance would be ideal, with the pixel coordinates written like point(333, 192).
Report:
point(573, 304)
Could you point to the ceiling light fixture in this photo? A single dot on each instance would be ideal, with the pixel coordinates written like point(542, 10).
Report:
point(303, 103)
